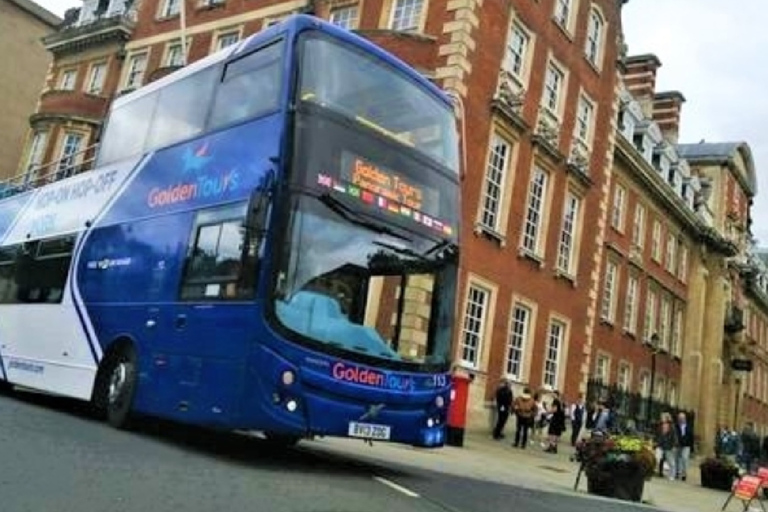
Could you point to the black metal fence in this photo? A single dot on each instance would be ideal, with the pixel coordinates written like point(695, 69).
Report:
point(632, 409)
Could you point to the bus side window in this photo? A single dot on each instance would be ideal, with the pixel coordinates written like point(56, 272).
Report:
point(219, 263)
point(8, 275)
point(182, 109)
point(251, 86)
point(127, 129)
point(42, 268)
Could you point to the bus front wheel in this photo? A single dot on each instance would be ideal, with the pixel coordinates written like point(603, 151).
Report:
point(121, 388)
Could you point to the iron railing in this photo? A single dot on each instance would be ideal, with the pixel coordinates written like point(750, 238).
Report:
point(40, 175)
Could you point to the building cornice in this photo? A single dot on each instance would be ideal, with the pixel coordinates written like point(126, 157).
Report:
point(674, 205)
point(648, 176)
point(72, 39)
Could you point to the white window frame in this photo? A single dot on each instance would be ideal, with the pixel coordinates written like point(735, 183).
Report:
point(632, 304)
point(610, 291)
point(618, 207)
point(517, 340)
point(671, 257)
point(665, 321)
point(174, 51)
point(496, 170)
point(68, 79)
point(585, 120)
point(170, 8)
point(603, 368)
point(656, 241)
point(554, 85)
point(37, 147)
point(677, 331)
point(638, 226)
point(349, 22)
point(408, 13)
point(516, 50)
point(533, 222)
point(474, 325)
point(650, 322)
point(563, 12)
point(624, 376)
point(682, 272)
point(97, 74)
point(135, 71)
point(568, 245)
point(224, 35)
point(593, 44)
point(557, 331)
point(645, 384)
point(68, 158)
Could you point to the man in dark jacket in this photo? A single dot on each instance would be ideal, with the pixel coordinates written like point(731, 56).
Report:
point(685, 440)
point(503, 406)
point(578, 418)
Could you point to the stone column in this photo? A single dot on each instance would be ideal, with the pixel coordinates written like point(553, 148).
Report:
point(712, 350)
point(692, 356)
point(416, 312)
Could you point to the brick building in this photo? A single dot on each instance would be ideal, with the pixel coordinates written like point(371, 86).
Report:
point(541, 142)
point(676, 259)
point(87, 56)
point(652, 226)
point(23, 64)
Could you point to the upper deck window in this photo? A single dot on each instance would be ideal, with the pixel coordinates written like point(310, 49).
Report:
point(366, 89)
point(248, 87)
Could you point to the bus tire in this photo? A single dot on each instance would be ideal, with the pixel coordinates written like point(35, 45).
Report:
point(120, 387)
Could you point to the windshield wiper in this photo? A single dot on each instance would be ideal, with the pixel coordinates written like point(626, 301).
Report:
point(401, 250)
point(443, 249)
point(356, 218)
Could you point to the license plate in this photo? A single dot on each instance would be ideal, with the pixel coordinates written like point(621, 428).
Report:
point(368, 430)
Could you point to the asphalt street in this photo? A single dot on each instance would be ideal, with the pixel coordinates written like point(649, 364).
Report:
point(56, 457)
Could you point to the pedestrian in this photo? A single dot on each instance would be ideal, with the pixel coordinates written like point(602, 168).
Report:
point(556, 423)
point(666, 440)
point(503, 407)
point(684, 433)
point(578, 416)
point(525, 411)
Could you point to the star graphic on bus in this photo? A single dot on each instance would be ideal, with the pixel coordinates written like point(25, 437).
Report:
point(195, 160)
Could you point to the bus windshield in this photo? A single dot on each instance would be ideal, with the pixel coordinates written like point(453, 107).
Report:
point(369, 91)
point(352, 283)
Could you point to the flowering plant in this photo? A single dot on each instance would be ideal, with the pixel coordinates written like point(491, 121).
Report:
point(603, 453)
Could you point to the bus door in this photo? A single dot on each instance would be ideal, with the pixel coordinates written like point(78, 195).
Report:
point(211, 326)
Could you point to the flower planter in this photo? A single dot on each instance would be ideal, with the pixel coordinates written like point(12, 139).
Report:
point(624, 480)
point(717, 475)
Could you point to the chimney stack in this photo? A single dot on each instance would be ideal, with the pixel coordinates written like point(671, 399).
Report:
point(666, 112)
point(640, 78)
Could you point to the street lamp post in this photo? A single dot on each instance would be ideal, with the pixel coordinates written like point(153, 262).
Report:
point(654, 349)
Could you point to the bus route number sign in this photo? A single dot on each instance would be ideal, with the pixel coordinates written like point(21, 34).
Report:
point(369, 430)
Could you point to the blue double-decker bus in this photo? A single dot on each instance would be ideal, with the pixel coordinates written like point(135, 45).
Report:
point(268, 242)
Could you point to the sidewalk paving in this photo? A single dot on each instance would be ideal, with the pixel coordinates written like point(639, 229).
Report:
point(483, 458)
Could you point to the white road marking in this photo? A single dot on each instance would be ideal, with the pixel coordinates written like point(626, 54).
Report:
point(396, 487)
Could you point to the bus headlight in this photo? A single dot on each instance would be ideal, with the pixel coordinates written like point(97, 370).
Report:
point(430, 423)
point(439, 401)
point(288, 377)
point(291, 405)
